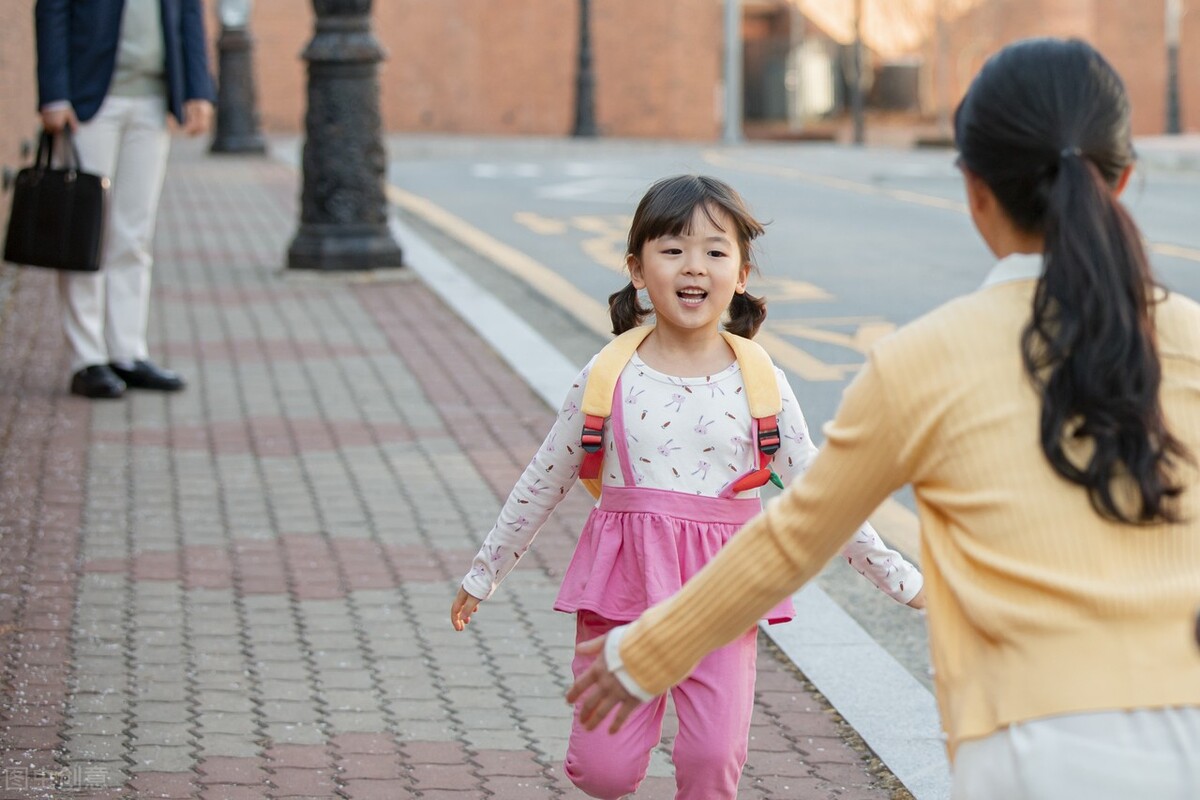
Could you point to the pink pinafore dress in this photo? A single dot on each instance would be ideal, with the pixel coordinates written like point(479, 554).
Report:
point(640, 545)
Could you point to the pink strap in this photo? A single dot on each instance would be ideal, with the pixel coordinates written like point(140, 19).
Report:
point(619, 438)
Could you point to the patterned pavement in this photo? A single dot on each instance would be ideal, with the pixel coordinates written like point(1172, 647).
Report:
point(242, 591)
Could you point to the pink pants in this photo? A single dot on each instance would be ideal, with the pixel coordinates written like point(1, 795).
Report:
point(713, 705)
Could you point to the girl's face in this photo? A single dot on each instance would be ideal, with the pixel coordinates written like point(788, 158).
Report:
point(691, 278)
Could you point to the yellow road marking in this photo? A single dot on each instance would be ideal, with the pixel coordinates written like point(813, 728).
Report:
point(593, 314)
point(866, 333)
point(793, 358)
point(783, 290)
point(1175, 251)
point(547, 226)
point(596, 224)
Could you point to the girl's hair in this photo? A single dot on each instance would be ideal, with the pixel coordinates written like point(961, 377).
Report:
point(1046, 126)
point(666, 210)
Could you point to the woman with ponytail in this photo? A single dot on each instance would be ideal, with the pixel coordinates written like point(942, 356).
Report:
point(1049, 424)
point(681, 459)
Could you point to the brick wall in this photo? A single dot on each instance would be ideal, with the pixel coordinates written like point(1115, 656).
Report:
point(1189, 67)
point(18, 90)
point(1131, 36)
point(508, 66)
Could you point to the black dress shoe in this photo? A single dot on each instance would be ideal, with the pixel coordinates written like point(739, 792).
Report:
point(146, 375)
point(97, 381)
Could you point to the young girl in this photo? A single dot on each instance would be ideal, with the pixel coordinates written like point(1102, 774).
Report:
point(678, 439)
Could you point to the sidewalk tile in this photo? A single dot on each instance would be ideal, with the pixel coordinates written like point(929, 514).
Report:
point(241, 590)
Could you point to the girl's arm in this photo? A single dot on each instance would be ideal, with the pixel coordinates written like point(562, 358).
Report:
point(891, 573)
point(538, 491)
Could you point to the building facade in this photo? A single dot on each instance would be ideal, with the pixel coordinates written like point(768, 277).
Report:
point(509, 67)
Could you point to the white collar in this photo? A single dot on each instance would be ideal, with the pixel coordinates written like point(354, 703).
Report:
point(1015, 267)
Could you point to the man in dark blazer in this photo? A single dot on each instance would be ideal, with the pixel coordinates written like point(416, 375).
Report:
point(111, 71)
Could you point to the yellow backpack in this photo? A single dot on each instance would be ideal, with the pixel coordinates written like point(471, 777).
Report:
point(762, 393)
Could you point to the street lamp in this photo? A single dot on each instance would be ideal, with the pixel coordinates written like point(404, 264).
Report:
point(343, 214)
point(856, 90)
point(237, 117)
point(732, 133)
point(1174, 14)
point(585, 81)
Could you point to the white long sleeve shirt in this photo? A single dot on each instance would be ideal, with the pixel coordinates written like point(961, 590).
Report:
point(690, 435)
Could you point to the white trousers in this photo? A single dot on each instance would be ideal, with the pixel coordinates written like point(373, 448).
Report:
point(106, 312)
point(1108, 755)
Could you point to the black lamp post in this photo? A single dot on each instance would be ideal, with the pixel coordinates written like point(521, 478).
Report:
point(1174, 14)
point(237, 115)
point(857, 101)
point(343, 216)
point(585, 81)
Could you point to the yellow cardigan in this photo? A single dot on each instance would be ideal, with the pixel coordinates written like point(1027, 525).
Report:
point(1036, 605)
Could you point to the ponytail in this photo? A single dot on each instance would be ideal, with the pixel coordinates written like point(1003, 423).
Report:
point(1046, 125)
point(746, 314)
point(625, 311)
point(1090, 350)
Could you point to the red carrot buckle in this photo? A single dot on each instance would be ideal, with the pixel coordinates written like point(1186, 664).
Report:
point(752, 480)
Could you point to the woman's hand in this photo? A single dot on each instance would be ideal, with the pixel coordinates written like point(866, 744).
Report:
point(197, 117)
point(462, 608)
point(606, 692)
point(55, 119)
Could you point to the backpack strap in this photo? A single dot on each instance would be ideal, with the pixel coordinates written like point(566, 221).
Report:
point(758, 374)
point(598, 399)
point(762, 389)
point(762, 394)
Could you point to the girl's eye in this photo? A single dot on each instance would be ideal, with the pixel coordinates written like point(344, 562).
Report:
point(716, 253)
point(672, 251)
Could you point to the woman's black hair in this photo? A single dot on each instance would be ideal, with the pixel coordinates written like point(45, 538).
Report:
point(666, 210)
point(1046, 126)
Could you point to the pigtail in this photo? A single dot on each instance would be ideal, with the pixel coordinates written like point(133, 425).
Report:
point(624, 309)
point(1090, 349)
point(746, 314)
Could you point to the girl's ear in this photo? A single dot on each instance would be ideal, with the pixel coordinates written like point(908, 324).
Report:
point(634, 265)
point(743, 277)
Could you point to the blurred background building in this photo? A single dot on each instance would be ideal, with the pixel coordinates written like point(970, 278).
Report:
point(509, 67)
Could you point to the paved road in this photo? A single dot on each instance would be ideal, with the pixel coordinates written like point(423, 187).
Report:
point(858, 242)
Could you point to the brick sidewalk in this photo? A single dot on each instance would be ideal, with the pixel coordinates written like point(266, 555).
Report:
point(242, 591)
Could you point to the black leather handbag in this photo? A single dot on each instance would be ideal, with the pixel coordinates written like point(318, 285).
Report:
point(58, 214)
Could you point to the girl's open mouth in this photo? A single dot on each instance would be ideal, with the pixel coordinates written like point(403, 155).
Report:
point(691, 297)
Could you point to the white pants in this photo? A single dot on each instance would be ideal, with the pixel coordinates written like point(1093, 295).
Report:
point(1107, 755)
point(107, 311)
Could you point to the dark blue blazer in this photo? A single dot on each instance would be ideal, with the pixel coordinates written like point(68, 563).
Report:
point(77, 52)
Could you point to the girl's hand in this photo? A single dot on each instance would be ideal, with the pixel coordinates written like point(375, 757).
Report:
point(918, 601)
point(607, 692)
point(463, 607)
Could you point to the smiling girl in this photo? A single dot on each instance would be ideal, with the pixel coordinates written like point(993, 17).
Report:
point(678, 458)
